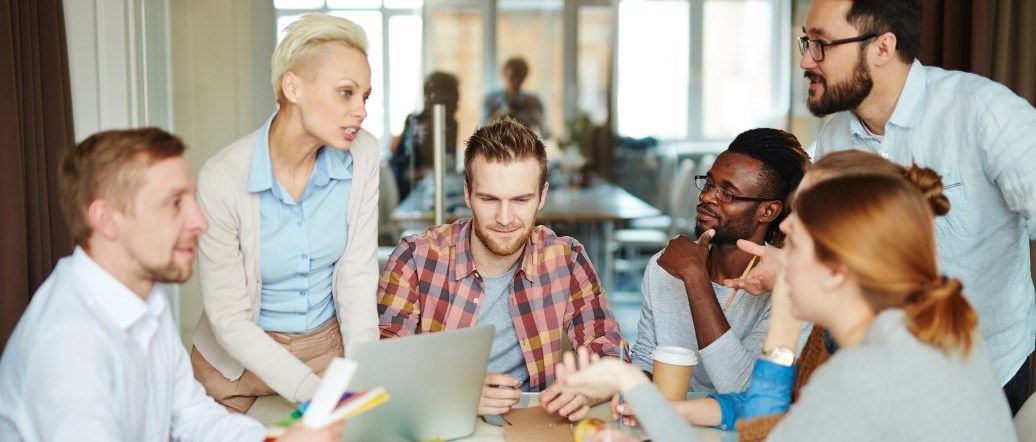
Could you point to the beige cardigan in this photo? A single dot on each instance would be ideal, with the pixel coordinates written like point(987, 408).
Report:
point(228, 334)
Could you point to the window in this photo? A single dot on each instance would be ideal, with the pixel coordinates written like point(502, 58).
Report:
point(653, 65)
point(701, 69)
point(677, 69)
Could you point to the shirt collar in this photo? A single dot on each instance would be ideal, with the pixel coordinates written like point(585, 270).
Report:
point(465, 263)
point(117, 301)
point(908, 108)
point(260, 177)
point(332, 164)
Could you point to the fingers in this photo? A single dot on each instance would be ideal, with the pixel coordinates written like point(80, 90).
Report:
point(484, 409)
point(504, 394)
point(549, 394)
point(751, 247)
point(497, 400)
point(501, 379)
point(626, 413)
point(555, 402)
point(334, 431)
point(584, 357)
point(615, 406)
point(707, 235)
point(577, 414)
point(578, 403)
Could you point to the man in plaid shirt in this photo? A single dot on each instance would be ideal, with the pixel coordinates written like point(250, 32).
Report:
point(500, 268)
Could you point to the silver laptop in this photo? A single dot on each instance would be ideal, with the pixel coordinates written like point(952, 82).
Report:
point(434, 381)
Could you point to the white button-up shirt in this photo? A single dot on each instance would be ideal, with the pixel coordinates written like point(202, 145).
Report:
point(981, 138)
point(91, 360)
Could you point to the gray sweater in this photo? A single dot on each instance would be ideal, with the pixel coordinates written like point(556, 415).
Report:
point(891, 387)
point(665, 319)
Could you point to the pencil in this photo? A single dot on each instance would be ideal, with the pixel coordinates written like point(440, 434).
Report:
point(751, 264)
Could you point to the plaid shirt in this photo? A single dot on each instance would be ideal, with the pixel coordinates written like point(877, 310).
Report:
point(430, 284)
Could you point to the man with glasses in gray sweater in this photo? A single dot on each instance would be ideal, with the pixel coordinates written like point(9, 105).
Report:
point(743, 196)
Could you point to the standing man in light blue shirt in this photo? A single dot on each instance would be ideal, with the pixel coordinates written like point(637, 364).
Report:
point(859, 57)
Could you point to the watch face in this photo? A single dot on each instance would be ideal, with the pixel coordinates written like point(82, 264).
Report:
point(781, 356)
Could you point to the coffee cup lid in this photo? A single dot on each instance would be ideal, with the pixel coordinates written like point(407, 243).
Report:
point(675, 355)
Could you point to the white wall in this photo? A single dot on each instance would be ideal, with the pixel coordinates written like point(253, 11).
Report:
point(198, 68)
point(221, 86)
point(118, 53)
point(119, 64)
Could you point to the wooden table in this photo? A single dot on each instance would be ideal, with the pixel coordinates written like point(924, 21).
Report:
point(270, 409)
point(599, 204)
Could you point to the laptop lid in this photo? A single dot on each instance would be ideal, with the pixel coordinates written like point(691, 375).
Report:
point(434, 381)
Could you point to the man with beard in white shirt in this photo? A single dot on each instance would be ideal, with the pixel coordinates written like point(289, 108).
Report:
point(96, 356)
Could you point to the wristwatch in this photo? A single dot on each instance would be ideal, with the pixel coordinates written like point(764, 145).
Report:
point(781, 356)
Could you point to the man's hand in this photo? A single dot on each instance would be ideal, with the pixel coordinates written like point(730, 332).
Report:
point(624, 410)
point(761, 278)
point(500, 392)
point(570, 405)
point(683, 257)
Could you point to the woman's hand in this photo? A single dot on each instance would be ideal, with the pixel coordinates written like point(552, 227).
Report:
point(762, 277)
point(596, 376)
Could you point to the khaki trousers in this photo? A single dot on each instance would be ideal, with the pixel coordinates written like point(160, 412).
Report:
point(315, 349)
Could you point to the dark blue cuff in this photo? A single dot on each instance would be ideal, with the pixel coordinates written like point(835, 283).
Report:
point(770, 390)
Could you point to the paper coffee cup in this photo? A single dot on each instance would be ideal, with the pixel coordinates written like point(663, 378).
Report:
point(673, 367)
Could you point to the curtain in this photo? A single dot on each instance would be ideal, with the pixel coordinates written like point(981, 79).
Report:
point(992, 38)
point(35, 125)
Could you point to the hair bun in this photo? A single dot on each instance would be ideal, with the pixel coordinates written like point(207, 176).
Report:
point(940, 287)
point(930, 185)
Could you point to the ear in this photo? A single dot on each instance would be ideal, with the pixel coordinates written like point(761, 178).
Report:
point(834, 277)
point(100, 216)
point(885, 49)
point(543, 195)
point(770, 211)
point(291, 86)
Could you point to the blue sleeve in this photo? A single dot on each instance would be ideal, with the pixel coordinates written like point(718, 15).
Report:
point(770, 390)
point(768, 393)
point(730, 405)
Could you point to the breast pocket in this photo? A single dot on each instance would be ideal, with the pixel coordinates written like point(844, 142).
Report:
point(955, 222)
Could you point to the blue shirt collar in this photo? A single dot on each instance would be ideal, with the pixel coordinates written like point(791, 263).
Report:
point(908, 108)
point(332, 164)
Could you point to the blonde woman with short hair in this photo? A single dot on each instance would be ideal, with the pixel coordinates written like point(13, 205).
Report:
point(289, 265)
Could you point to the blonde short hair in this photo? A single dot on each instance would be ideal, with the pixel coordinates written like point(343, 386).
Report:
point(303, 39)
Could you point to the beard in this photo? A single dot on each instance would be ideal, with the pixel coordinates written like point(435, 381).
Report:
point(499, 247)
point(172, 271)
point(729, 231)
point(169, 273)
point(841, 96)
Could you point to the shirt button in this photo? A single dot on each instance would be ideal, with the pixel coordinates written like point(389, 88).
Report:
point(302, 293)
point(475, 301)
point(885, 155)
point(305, 256)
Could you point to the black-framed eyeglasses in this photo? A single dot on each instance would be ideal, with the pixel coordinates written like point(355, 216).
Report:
point(816, 47)
point(724, 195)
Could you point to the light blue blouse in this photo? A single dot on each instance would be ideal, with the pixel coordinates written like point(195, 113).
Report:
point(300, 241)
